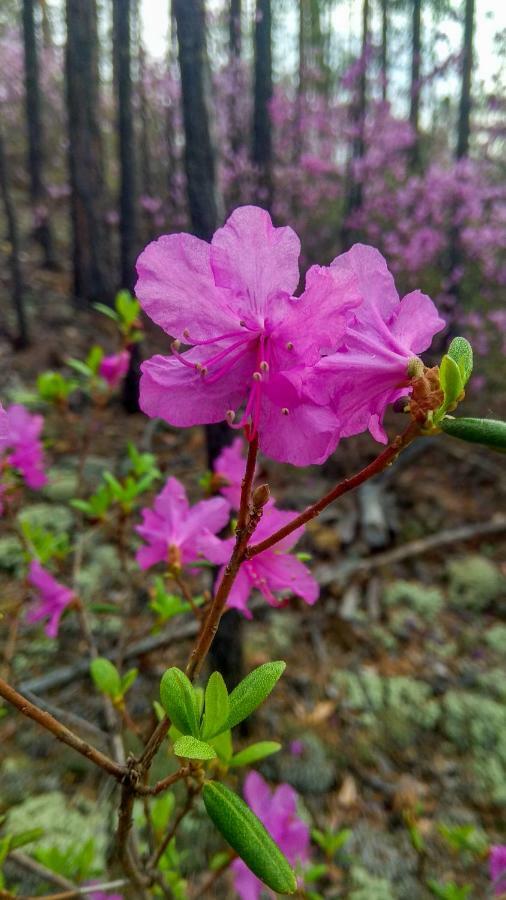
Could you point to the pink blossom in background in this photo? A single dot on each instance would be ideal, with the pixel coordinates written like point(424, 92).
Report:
point(114, 368)
point(277, 811)
point(370, 369)
point(497, 867)
point(53, 598)
point(230, 466)
point(177, 532)
point(275, 573)
point(27, 456)
point(232, 301)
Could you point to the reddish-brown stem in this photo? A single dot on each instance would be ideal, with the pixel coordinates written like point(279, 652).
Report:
point(61, 732)
point(165, 783)
point(348, 484)
point(186, 592)
point(247, 484)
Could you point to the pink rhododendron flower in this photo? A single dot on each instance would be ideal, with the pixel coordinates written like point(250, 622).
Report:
point(114, 368)
point(278, 813)
point(24, 430)
point(370, 369)
point(230, 466)
point(497, 866)
point(176, 533)
point(273, 572)
point(251, 339)
point(53, 598)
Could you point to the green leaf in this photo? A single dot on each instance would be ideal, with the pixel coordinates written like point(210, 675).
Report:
point(451, 381)
point(490, 432)
point(461, 352)
point(26, 837)
point(216, 706)
point(106, 676)
point(254, 753)
point(179, 701)
point(106, 311)
point(191, 748)
point(248, 837)
point(222, 743)
point(128, 680)
point(252, 691)
point(94, 358)
point(79, 366)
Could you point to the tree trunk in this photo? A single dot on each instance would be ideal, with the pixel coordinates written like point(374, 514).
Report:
point(90, 244)
point(353, 199)
point(21, 340)
point(127, 199)
point(465, 90)
point(414, 106)
point(234, 29)
point(262, 136)
point(38, 197)
point(199, 155)
point(384, 50)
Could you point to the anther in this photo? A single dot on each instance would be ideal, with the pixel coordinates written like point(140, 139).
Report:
point(203, 370)
point(284, 411)
point(175, 345)
point(230, 416)
point(289, 345)
point(186, 333)
point(257, 376)
point(242, 323)
point(264, 366)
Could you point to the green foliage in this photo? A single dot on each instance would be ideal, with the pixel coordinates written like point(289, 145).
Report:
point(180, 702)
point(254, 753)
point(191, 748)
point(89, 368)
point(451, 381)
point(97, 505)
point(253, 690)
point(489, 432)
point(370, 887)
point(76, 862)
point(217, 706)
point(248, 837)
point(474, 582)
point(11, 842)
point(449, 890)
point(167, 605)
point(44, 544)
point(142, 472)
point(464, 839)
point(161, 809)
point(109, 681)
point(461, 352)
point(331, 841)
point(53, 387)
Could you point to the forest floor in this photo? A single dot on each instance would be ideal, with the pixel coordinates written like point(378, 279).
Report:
point(395, 684)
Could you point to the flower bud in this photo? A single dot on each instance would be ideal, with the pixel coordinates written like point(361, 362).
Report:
point(261, 495)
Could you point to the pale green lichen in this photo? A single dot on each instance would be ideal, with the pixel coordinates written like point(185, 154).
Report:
point(495, 637)
point(370, 887)
point(474, 582)
point(423, 600)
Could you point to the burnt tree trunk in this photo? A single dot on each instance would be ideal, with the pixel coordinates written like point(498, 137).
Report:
point(262, 131)
point(464, 122)
point(226, 651)
point(126, 141)
point(384, 50)
point(21, 339)
point(353, 198)
point(90, 239)
point(414, 103)
point(38, 196)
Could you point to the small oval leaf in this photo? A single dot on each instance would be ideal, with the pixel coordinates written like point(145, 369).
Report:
point(451, 380)
point(179, 701)
point(191, 748)
point(106, 676)
point(216, 707)
point(254, 753)
point(253, 690)
point(490, 432)
point(248, 837)
point(461, 352)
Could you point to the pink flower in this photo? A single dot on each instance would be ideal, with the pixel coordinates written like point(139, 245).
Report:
point(53, 598)
point(250, 339)
point(23, 438)
point(176, 533)
point(114, 368)
point(230, 466)
point(272, 572)
point(278, 813)
point(497, 866)
point(370, 369)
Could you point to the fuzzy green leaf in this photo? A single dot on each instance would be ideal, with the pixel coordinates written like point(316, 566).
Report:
point(254, 753)
point(451, 381)
point(461, 352)
point(216, 706)
point(179, 701)
point(252, 691)
point(106, 676)
point(222, 743)
point(128, 680)
point(248, 837)
point(490, 432)
point(191, 748)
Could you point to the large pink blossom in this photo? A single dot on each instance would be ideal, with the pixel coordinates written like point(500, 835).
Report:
point(114, 368)
point(251, 339)
point(24, 430)
point(277, 811)
point(230, 466)
point(275, 572)
point(53, 598)
point(370, 369)
point(176, 533)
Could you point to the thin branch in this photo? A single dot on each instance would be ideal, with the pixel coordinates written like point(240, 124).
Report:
point(247, 483)
point(80, 891)
point(155, 859)
point(36, 868)
point(213, 877)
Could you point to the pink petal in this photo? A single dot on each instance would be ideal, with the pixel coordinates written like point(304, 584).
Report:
point(375, 282)
point(247, 885)
point(255, 260)
point(151, 555)
point(284, 573)
point(177, 291)
point(212, 515)
point(418, 321)
point(257, 794)
point(305, 436)
point(172, 503)
point(240, 593)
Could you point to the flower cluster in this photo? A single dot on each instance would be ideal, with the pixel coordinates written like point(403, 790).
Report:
point(298, 371)
point(53, 598)
point(20, 433)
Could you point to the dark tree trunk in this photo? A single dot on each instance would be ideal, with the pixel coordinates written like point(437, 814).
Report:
point(414, 104)
point(226, 651)
point(262, 133)
point(35, 134)
point(464, 126)
point(199, 155)
point(90, 238)
point(353, 199)
point(127, 200)
point(236, 135)
point(384, 50)
point(234, 29)
point(21, 340)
